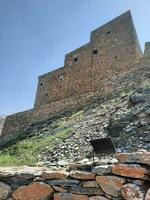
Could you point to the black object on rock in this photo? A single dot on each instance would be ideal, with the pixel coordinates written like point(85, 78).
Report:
point(103, 146)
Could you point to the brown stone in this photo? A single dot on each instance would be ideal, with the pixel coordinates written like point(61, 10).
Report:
point(55, 175)
point(35, 191)
point(147, 197)
point(111, 185)
point(132, 192)
point(82, 175)
point(98, 198)
point(59, 189)
point(130, 170)
point(90, 184)
point(138, 157)
point(68, 196)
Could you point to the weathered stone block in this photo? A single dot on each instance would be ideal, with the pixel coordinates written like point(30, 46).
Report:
point(55, 175)
point(102, 169)
point(68, 196)
point(90, 184)
point(81, 175)
point(143, 158)
point(131, 170)
point(98, 198)
point(67, 182)
point(111, 185)
point(132, 192)
point(35, 191)
point(59, 189)
point(86, 191)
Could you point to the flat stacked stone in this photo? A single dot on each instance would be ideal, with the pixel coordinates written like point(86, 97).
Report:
point(137, 157)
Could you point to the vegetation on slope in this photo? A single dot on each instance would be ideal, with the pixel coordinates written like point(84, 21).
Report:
point(68, 138)
point(26, 152)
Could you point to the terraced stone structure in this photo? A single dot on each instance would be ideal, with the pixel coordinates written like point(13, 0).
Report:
point(92, 70)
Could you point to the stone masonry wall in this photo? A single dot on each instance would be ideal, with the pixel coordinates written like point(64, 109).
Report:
point(128, 178)
point(139, 74)
point(91, 71)
point(15, 123)
point(113, 49)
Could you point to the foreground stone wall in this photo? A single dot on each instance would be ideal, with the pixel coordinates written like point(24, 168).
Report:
point(15, 123)
point(128, 179)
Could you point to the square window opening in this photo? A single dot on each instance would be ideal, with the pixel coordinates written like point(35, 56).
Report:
point(94, 51)
point(75, 59)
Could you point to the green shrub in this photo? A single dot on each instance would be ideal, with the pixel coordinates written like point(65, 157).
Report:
point(26, 152)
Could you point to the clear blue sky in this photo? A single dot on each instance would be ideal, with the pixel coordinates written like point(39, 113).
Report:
point(36, 34)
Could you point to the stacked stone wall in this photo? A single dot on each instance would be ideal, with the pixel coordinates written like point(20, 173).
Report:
point(139, 74)
point(92, 71)
point(112, 49)
point(128, 178)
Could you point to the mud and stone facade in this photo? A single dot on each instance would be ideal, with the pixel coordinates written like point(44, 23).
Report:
point(111, 50)
point(89, 71)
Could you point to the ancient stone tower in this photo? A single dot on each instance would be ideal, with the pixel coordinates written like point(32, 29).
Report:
point(112, 51)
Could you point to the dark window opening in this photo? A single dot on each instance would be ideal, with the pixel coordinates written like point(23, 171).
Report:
point(108, 32)
point(101, 78)
point(102, 62)
point(116, 57)
point(94, 51)
point(41, 83)
point(79, 85)
point(75, 59)
point(46, 95)
point(61, 78)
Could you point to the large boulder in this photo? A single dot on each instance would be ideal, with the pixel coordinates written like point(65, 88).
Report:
point(35, 191)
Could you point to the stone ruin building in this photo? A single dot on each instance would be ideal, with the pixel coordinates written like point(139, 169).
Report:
point(95, 69)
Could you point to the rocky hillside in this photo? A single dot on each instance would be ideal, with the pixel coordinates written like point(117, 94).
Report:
point(2, 119)
point(125, 118)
